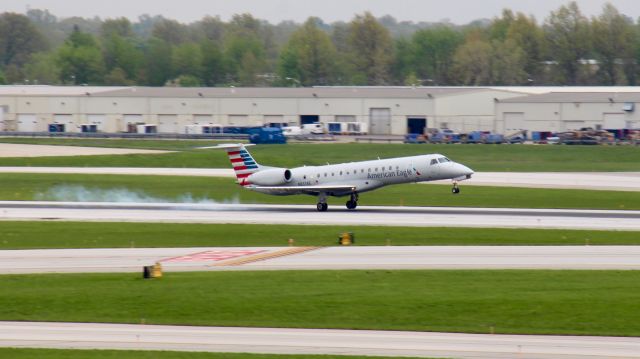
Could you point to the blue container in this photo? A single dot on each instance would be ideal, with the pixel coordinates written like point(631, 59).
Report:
point(266, 135)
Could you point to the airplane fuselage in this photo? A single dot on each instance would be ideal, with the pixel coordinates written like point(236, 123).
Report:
point(369, 175)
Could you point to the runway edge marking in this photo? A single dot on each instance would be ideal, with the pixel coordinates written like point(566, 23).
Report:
point(265, 256)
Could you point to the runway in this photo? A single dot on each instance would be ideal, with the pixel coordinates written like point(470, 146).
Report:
point(313, 341)
point(610, 181)
point(307, 214)
point(323, 258)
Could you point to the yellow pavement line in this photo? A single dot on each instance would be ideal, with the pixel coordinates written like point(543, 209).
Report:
point(264, 256)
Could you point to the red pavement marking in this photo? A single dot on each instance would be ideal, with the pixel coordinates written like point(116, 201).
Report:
point(217, 255)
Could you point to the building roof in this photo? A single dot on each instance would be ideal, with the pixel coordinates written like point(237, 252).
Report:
point(44, 90)
point(239, 92)
point(581, 97)
point(284, 92)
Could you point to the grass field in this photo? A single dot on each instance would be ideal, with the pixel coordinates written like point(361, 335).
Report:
point(15, 353)
point(520, 301)
point(479, 157)
point(63, 187)
point(31, 235)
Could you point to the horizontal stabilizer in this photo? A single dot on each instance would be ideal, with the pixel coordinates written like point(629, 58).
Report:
point(226, 146)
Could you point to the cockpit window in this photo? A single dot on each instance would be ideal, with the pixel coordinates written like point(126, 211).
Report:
point(434, 162)
point(443, 159)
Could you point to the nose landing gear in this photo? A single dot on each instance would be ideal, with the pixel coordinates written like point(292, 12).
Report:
point(455, 189)
point(352, 203)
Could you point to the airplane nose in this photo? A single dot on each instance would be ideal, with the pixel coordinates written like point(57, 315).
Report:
point(464, 170)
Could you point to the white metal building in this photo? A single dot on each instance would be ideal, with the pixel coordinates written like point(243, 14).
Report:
point(564, 111)
point(386, 110)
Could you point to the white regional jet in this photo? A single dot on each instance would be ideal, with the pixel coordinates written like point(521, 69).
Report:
point(344, 179)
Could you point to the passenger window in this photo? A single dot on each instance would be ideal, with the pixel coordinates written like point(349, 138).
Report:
point(325, 174)
point(340, 173)
point(304, 177)
point(390, 168)
point(369, 169)
point(434, 162)
point(332, 174)
point(376, 169)
point(362, 170)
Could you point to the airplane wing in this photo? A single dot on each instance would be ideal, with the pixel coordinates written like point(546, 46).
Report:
point(304, 189)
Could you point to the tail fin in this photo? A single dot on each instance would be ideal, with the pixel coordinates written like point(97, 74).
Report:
point(241, 161)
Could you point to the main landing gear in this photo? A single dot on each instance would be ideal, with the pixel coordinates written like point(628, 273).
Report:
point(322, 202)
point(322, 206)
point(455, 189)
point(352, 203)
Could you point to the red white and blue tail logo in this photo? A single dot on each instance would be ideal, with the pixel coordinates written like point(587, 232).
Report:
point(243, 164)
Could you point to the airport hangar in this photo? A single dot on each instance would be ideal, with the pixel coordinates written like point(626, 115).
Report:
point(385, 110)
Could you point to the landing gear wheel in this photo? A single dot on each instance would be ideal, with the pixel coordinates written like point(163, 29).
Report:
point(455, 190)
point(322, 207)
point(352, 204)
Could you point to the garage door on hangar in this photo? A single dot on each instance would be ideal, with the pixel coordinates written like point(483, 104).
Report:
point(27, 122)
point(514, 121)
point(168, 124)
point(380, 119)
point(614, 121)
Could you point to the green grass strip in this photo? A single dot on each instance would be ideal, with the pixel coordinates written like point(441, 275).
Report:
point(64, 187)
point(32, 235)
point(508, 301)
point(500, 158)
point(20, 353)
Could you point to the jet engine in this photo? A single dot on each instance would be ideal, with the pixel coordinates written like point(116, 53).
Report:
point(271, 177)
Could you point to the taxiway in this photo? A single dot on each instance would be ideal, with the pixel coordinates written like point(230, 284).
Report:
point(337, 215)
point(313, 341)
point(611, 181)
point(320, 258)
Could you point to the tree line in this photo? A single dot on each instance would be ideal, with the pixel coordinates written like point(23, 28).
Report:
point(567, 48)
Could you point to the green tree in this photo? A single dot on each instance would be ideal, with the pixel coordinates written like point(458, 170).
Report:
point(433, 51)
point(370, 50)
point(19, 39)
point(171, 31)
point(157, 62)
point(568, 36)
point(80, 59)
point(42, 69)
point(528, 36)
point(499, 26)
point(507, 63)
point(118, 77)
point(613, 42)
point(120, 27)
point(472, 63)
point(309, 56)
point(187, 59)
point(213, 69)
point(244, 59)
point(122, 53)
point(479, 62)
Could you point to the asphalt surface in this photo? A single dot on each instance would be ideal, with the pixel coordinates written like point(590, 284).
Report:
point(338, 215)
point(22, 150)
point(313, 341)
point(305, 258)
point(614, 181)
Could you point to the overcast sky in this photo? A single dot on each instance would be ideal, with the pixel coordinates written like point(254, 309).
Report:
point(457, 11)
